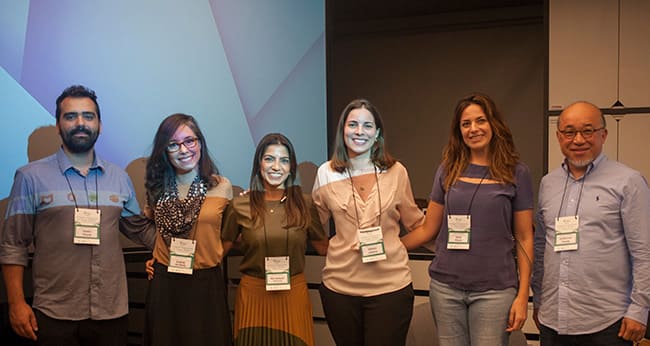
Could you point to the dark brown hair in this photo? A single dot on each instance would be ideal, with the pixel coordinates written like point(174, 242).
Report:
point(160, 172)
point(379, 155)
point(503, 156)
point(296, 207)
point(76, 91)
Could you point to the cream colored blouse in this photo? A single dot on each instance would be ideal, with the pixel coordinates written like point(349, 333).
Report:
point(344, 271)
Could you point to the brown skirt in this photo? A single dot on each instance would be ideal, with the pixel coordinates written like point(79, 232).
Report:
point(273, 318)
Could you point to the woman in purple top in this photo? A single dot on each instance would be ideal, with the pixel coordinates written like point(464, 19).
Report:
point(482, 201)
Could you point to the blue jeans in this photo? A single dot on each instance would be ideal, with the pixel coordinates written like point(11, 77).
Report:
point(470, 318)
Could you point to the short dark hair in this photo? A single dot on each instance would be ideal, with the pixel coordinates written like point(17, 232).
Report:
point(76, 91)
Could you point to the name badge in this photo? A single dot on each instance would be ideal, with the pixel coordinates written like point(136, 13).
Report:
point(86, 226)
point(181, 256)
point(371, 244)
point(459, 229)
point(566, 233)
point(278, 276)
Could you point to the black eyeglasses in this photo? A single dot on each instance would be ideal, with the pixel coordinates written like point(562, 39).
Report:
point(586, 133)
point(189, 143)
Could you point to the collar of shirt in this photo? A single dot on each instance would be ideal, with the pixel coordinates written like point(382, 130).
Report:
point(65, 164)
point(590, 167)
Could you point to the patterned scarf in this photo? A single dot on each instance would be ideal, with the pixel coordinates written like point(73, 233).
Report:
point(175, 217)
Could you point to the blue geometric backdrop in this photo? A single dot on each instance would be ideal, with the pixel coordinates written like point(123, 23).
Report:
point(243, 68)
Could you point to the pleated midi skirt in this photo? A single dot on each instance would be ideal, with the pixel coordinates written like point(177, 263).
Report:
point(278, 318)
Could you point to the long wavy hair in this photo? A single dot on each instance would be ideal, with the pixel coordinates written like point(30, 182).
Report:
point(296, 207)
point(160, 172)
point(503, 156)
point(379, 155)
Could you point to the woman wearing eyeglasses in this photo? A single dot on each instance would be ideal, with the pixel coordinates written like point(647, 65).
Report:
point(274, 222)
point(480, 209)
point(186, 196)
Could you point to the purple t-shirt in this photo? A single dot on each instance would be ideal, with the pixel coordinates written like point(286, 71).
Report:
point(489, 263)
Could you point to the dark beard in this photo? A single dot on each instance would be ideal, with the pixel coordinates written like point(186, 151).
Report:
point(79, 145)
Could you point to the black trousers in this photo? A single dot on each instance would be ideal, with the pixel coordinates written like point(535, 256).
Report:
point(381, 320)
point(54, 332)
point(605, 337)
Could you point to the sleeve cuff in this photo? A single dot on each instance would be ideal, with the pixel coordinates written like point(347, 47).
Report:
point(13, 255)
point(637, 313)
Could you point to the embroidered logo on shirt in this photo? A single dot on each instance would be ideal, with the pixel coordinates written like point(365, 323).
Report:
point(47, 199)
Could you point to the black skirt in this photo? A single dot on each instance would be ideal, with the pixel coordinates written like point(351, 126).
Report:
point(187, 309)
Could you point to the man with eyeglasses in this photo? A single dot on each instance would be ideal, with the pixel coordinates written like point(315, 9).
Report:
point(591, 280)
point(71, 206)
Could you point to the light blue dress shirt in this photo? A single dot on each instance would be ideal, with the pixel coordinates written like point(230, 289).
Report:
point(608, 276)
